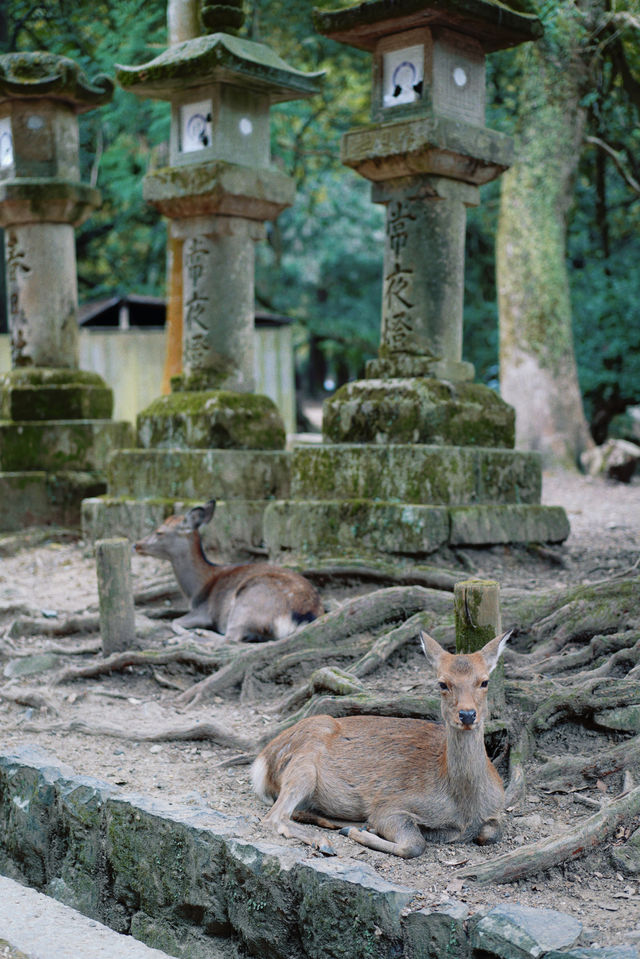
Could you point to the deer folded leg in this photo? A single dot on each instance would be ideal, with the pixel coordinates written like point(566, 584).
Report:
point(404, 837)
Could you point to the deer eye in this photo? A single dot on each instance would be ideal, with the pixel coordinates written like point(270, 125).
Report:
point(484, 683)
point(443, 687)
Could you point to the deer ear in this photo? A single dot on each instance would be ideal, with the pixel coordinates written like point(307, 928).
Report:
point(432, 650)
point(209, 509)
point(493, 650)
point(195, 517)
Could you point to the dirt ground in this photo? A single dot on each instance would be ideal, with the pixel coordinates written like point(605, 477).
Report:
point(44, 582)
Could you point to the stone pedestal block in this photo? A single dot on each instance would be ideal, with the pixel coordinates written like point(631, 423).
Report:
point(418, 411)
point(48, 394)
point(434, 475)
point(331, 528)
point(219, 419)
point(38, 498)
point(61, 444)
point(199, 474)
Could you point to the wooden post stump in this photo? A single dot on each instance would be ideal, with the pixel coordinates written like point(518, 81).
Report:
point(117, 619)
point(476, 605)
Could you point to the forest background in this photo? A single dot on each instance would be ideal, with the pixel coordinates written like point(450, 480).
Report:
point(322, 262)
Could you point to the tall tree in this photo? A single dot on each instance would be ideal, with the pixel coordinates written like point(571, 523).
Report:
point(538, 371)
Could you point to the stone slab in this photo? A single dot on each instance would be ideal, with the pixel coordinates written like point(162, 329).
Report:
point(61, 444)
point(333, 527)
point(420, 474)
point(317, 528)
point(41, 928)
point(199, 474)
point(38, 498)
point(418, 411)
point(487, 525)
point(609, 952)
point(512, 931)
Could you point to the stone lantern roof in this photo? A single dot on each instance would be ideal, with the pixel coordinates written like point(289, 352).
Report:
point(42, 74)
point(221, 58)
point(495, 25)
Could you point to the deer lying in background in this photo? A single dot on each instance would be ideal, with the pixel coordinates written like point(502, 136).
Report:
point(254, 601)
point(408, 780)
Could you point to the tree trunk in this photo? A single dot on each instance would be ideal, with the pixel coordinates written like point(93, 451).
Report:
point(538, 374)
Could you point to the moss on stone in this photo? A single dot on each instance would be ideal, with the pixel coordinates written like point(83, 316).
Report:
point(418, 411)
point(218, 419)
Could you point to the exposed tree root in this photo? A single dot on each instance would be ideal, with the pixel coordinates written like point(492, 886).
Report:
point(384, 574)
point(192, 732)
point(117, 662)
point(576, 842)
point(25, 696)
point(43, 626)
point(567, 771)
point(377, 655)
point(371, 611)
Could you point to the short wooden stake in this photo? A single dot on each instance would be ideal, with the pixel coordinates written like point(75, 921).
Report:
point(117, 618)
point(476, 605)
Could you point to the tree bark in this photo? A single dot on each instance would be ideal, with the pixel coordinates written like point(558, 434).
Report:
point(538, 374)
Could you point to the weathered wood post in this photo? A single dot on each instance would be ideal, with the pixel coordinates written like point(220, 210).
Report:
point(476, 604)
point(117, 619)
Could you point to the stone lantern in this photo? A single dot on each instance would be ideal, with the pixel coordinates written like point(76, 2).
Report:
point(219, 189)
point(420, 456)
point(55, 432)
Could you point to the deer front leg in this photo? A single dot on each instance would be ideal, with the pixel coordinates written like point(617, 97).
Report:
point(404, 837)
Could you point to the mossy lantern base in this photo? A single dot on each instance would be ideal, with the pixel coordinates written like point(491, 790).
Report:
point(195, 445)
point(56, 435)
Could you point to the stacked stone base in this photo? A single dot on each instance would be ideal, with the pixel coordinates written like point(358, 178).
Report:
point(145, 486)
point(55, 439)
point(406, 500)
point(182, 463)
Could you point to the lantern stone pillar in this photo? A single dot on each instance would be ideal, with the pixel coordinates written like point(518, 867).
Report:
point(212, 435)
point(55, 427)
point(417, 456)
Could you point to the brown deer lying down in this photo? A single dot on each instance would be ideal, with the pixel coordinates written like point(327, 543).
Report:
point(408, 780)
point(254, 601)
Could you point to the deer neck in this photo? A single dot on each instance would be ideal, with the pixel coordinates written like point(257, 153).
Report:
point(466, 757)
point(192, 568)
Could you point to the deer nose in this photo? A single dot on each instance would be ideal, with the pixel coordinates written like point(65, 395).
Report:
point(467, 717)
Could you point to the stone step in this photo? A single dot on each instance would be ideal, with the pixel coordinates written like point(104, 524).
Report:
point(38, 498)
point(33, 926)
point(194, 474)
point(420, 474)
point(61, 444)
point(195, 882)
point(330, 527)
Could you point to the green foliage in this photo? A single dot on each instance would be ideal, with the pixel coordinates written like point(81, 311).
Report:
point(322, 262)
